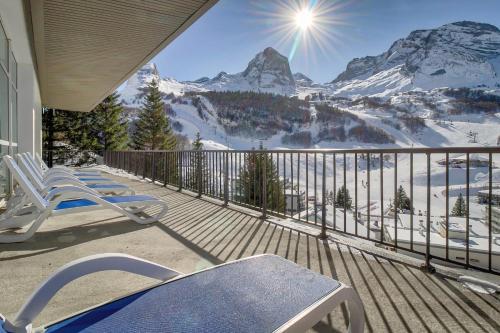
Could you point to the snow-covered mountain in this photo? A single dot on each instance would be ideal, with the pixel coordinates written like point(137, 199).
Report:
point(135, 88)
point(460, 54)
point(268, 72)
point(410, 95)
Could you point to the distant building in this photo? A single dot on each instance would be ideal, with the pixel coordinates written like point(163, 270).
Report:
point(294, 201)
point(460, 161)
point(483, 197)
point(495, 217)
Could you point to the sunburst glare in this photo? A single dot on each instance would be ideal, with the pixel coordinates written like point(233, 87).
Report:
point(304, 18)
point(308, 26)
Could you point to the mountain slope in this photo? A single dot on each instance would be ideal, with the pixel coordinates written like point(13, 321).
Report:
point(461, 54)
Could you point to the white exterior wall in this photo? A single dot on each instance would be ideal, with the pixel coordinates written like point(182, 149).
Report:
point(29, 109)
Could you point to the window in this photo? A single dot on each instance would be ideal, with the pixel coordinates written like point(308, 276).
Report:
point(13, 70)
point(4, 107)
point(8, 108)
point(13, 104)
point(4, 173)
point(4, 49)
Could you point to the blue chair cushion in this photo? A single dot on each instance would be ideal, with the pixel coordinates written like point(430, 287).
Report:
point(93, 179)
point(254, 295)
point(78, 203)
point(105, 186)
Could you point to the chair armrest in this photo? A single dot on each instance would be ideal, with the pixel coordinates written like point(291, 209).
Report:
point(69, 191)
point(76, 269)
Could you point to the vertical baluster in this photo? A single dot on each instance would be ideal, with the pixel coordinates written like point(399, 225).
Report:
point(315, 188)
point(214, 176)
point(412, 209)
point(144, 165)
point(368, 204)
point(153, 166)
point(299, 201)
point(490, 199)
point(292, 192)
point(396, 201)
point(255, 184)
point(240, 186)
point(356, 194)
point(232, 176)
point(226, 178)
point(345, 193)
point(263, 192)
point(467, 231)
point(307, 187)
point(284, 179)
point(381, 163)
point(181, 177)
point(334, 191)
point(447, 204)
point(323, 200)
point(428, 224)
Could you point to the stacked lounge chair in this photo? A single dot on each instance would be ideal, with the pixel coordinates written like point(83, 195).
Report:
point(47, 182)
point(30, 207)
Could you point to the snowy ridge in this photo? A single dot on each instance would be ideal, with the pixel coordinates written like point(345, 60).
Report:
point(408, 77)
point(461, 54)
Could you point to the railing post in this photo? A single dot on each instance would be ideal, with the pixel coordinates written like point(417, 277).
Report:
point(153, 167)
point(323, 199)
point(180, 170)
point(427, 264)
point(264, 187)
point(144, 165)
point(165, 169)
point(199, 172)
point(226, 178)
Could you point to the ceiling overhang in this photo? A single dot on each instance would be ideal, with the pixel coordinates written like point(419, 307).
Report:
point(85, 49)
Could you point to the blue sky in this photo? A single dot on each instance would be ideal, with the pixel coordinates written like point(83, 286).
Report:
point(229, 35)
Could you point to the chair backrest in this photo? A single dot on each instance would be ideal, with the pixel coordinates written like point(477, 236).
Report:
point(24, 183)
point(34, 165)
point(39, 159)
point(29, 171)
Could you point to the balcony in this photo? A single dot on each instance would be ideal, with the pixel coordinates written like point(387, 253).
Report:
point(199, 232)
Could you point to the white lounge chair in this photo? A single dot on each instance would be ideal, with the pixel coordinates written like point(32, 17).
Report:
point(33, 209)
point(259, 294)
point(53, 173)
point(39, 161)
point(44, 186)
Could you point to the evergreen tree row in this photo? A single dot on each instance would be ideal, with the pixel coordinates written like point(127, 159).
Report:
point(106, 128)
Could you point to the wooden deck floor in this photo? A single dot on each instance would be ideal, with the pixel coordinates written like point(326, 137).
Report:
point(198, 233)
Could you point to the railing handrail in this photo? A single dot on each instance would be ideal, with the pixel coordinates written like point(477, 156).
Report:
point(402, 150)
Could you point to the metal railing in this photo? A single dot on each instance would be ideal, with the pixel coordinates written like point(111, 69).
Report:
point(358, 192)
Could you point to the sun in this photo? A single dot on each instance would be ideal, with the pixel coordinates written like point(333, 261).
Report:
point(304, 18)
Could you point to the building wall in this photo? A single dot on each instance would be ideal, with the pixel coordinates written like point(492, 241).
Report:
point(23, 118)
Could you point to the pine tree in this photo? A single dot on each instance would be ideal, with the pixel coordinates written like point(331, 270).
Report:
point(460, 208)
point(153, 129)
point(197, 144)
point(251, 181)
point(402, 201)
point(109, 127)
point(343, 198)
point(198, 160)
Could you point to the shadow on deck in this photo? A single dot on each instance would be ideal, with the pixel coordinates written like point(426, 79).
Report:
point(199, 233)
